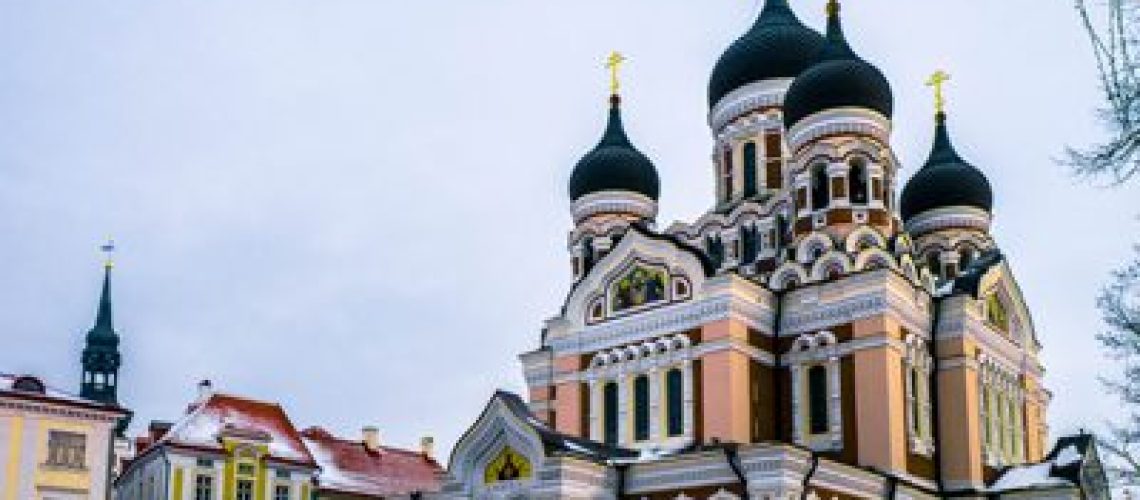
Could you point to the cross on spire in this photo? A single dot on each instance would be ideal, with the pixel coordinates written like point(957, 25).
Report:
point(108, 250)
point(938, 81)
point(613, 63)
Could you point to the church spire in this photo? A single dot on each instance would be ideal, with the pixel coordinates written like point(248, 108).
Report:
point(101, 358)
point(104, 318)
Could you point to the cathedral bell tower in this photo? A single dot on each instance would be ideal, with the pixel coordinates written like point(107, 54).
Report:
point(101, 359)
point(838, 119)
point(613, 186)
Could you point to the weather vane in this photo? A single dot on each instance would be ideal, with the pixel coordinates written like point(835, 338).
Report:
point(938, 81)
point(108, 250)
point(613, 62)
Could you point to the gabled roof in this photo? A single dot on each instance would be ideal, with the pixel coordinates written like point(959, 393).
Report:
point(347, 466)
point(555, 442)
point(222, 414)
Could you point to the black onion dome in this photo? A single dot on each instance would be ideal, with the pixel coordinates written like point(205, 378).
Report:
point(946, 180)
point(614, 164)
point(839, 78)
point(777, 46)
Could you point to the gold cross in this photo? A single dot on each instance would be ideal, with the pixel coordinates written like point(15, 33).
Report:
point(108, 250)
point(613, 62)
point(938, 80)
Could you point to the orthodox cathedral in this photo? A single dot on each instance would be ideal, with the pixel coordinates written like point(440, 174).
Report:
point(812, 335)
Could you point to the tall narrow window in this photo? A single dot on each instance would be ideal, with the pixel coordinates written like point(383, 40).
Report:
point(641, 408)
point(726, 175)
point(817, 399)
point(858, 181)
point(819, 195)
point(715, 250)
point(675, 396)
point(749, 169)
point(610, 412)
point(915, 404)
point(773, 160)
point(281, 492)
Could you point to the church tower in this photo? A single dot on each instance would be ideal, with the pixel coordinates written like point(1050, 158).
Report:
point(612, 187)
point(101, 358)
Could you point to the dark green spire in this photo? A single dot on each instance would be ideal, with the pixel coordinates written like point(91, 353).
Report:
point(615, 131)
point(942, 151)
point(101, 358)
point(835, 46)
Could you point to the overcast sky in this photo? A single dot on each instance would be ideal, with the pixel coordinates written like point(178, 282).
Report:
point(358, 208)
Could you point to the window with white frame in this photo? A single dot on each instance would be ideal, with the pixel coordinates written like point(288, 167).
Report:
point(1001, 413)
point(816, 406)
point(919, 416)
point(642, 395)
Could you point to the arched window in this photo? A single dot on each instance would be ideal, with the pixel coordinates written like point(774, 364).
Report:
point(934, 263)
point(610, 413)
point(817, 399)
point(715, 250)
point(857, 180)
point(749, 169)
point(641, 408)
point(674, 404)
point(726, 174)
point(750, 243)
point(965, 257)
point(819, 194)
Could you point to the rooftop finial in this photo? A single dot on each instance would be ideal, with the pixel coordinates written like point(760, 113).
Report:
point(108, 250)
point(832, 8)
point(938, 81)
point(613, 62)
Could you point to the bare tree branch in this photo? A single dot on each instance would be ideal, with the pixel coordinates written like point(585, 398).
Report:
point(1114, 45)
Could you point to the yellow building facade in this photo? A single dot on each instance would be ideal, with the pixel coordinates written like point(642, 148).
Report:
point(55, 446)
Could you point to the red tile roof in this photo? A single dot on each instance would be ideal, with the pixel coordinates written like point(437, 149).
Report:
point(224, 414)
point(348, 467)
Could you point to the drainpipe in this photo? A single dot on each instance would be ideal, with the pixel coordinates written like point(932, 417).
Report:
point(892, 487)
point(777, 372)
point(732, 455)
point(807, 477)
point(620, 486)
point(936, 305)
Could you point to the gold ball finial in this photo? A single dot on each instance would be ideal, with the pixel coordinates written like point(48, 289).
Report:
point(938, 80)
point(613, 63)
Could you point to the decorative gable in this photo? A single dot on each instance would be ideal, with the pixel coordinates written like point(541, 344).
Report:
point(642, 272)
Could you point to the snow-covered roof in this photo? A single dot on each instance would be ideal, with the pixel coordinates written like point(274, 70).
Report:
point(347, 466)
point(9, 386)
point(1060, 469)
point(223, 414)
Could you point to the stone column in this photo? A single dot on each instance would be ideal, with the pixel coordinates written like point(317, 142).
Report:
point(880, 411)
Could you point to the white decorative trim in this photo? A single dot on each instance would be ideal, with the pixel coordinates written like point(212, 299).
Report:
point(613, 202)
point(746, 99)
point(847, 120)
point(947, 218)
point(808, 351)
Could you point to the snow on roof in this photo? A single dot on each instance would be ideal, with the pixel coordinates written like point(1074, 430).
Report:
point(7, 381)
point(1040, 475)
point(348, 467)
point(206, 422)
point(1027, 477)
